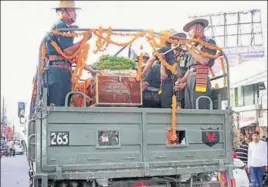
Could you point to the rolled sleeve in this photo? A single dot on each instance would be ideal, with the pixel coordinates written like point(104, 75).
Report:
point(63, 42)
point(149, 77)
point(210, 51)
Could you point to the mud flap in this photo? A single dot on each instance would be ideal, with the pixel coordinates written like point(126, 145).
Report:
point(210, 136)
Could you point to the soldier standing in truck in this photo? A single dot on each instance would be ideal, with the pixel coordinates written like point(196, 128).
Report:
point(167, 77)
point(59, 72)
point(196, 77)
point(181, 57)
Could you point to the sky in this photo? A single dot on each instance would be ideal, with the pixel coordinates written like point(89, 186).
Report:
point(24, 23)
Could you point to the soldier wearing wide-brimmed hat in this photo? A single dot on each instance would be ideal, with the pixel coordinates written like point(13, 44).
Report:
point(198, 83)
point(60, 69)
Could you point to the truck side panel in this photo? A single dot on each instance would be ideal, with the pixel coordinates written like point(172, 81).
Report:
point(193, 149)
point(142, 145)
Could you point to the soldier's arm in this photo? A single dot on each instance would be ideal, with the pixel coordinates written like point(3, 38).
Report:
point(198, 57)
point(163, 72)
point(73, 48)
point(67, 47)
point(185, 77)
point(148, 65)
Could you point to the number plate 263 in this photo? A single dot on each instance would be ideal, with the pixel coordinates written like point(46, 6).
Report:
point(59, 138)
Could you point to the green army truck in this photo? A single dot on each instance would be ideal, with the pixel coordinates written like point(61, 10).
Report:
point(128, 146)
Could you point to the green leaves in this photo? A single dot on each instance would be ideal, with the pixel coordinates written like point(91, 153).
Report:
point(115, 63)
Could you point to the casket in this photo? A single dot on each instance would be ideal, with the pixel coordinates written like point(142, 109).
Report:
point(115, 90)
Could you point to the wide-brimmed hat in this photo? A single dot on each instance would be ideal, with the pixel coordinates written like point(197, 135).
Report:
point(180, 35)
point(66, 4)
point(193, 21)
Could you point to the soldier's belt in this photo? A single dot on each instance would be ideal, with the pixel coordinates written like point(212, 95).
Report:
point(55, 58)
point(64, 66)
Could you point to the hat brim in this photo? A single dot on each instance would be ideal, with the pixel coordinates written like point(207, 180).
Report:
point(204, 22)
point(179, 35)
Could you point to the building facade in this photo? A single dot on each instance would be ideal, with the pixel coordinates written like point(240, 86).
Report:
point(249, 95)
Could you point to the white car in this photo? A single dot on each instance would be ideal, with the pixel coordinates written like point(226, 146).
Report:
point(240, 174)
point(18, 149)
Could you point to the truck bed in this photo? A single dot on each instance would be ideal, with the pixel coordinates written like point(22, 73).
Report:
point(141, 148)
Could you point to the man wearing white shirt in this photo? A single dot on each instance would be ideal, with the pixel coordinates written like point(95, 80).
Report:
point(257, 159)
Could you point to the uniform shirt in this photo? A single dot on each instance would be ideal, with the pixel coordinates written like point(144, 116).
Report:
point(182, 67)
point(257, 154)
point(169, 57)
point(63, 42)
point(192, 61)
point(153, 76)
point(242, 152)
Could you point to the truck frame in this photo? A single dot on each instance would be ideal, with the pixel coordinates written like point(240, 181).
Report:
point(64, 146)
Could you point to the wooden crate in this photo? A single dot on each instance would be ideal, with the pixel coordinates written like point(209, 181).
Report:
point(116, 90)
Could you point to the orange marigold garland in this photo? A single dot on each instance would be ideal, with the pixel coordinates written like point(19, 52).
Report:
point(79, 57)
point(174, 119)
point(139, 72)
point(42, 60)
point(224, 71)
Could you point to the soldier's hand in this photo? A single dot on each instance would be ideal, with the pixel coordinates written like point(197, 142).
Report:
point(89, 36)
point(164, 76)
point(178, 81)
point(188, 46)
point(95, 72)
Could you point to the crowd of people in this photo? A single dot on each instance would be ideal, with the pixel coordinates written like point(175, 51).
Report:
point(186, 84)
point(254, 155)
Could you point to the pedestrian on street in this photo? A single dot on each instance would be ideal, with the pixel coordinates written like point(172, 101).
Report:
point(257, 159)
point(13, 149)
point(242, 151)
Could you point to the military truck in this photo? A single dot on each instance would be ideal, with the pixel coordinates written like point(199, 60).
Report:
point(128, 146)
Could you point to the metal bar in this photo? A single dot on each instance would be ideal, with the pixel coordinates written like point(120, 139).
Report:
point(115, 30)
point(233, 24)
point(237, 30)
point(237, 34)
point(212, 27)
point(228, 78)
point(229, 13)
point(117, 53)
point(218, 77)
point(129, 51)
point(252, 30)
point(225, 31)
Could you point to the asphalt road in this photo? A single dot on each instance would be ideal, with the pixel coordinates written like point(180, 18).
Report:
point(14, 171)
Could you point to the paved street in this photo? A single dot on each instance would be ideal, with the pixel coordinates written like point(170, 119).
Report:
point(14, 171)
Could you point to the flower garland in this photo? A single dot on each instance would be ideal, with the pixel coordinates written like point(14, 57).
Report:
point(103, 42)
point(139, 71)
point(42, 60)
point(224, 71)
point(172, 68)
point(174, 118)
point(79, 57)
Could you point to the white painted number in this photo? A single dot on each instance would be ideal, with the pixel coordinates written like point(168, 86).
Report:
point(59, 138)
